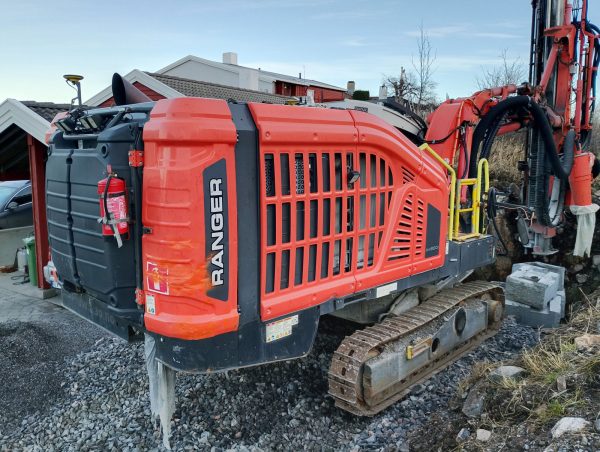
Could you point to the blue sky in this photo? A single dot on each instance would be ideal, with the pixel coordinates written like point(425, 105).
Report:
point(329, 40)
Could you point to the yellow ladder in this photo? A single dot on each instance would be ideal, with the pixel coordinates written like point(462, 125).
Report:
point(482, 181)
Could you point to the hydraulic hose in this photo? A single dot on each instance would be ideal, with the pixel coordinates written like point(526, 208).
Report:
point(482, 131)
point(543, 152)
point(492, 212)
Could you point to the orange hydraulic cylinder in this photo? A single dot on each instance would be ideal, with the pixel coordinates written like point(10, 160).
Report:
point(580, 180)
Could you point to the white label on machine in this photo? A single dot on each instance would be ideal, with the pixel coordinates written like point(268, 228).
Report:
point(382, 291)
point(150, 304)
point(280, 328)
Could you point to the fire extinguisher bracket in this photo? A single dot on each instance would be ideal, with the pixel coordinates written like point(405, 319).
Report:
point(136, 158)
point(114, 216)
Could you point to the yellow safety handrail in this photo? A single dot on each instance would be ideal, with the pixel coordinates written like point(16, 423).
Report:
point(426, 147)
point(456, 185)
point(483, 171)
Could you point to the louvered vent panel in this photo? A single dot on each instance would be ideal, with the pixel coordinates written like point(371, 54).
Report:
point(409, 239)
point(407, 175)
point(320, 225)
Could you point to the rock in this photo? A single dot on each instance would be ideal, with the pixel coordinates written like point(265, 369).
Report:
point(561, 383)
point(596, 260)
point(463, 435)
point(483, 435)
point(581, 278)
point(587, 341)
point(597, 425)
point(473, 406)
point(569, 425)
point(577, 268)
point(514, 372)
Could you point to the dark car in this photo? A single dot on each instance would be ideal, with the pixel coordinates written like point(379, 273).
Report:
point(15, 204)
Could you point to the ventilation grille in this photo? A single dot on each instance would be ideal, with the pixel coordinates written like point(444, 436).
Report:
point(407, 175)
point(409, 240)
point(318, 224)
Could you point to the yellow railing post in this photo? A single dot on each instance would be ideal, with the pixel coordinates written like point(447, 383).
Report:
point(480, 185)
point(483, 171)
point(451, 214)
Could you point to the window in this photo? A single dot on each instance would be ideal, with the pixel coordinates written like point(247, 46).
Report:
point(23, 196)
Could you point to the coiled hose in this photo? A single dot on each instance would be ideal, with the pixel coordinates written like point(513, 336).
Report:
point(543, 152)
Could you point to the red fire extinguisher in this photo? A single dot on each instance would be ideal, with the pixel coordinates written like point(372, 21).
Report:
point(113, 200)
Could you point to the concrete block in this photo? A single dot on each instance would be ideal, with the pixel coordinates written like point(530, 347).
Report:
point(532, 286)
point(563, 303)
point(560, 271)
point(549, 317)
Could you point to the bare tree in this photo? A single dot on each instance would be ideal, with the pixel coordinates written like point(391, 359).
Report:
point(424, 67)
point(508, 72)
point(402, 88)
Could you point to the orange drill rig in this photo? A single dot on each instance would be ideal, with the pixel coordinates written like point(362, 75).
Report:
point(223, 231)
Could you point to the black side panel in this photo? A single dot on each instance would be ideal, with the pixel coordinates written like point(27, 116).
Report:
point(246, 347)
point(58, 201)
point(216, 229)
point(87, 262)
point(247, 183)
point(477, 253)
point(432, 235)
point(105, 271)
point(101, 314)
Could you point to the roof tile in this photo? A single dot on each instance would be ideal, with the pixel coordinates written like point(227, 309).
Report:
point(47, 110)
point(193, 88)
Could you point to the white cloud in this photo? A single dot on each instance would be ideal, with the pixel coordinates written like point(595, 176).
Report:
point(464, 31)
point(438, 32)
point(354, 42)
point(496, 35)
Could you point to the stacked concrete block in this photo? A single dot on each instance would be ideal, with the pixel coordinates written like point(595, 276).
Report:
point(535, 294)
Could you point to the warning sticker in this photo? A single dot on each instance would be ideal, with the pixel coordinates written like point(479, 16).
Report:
point(280, 328)
point(150, 304)
point(157, 279)
point(382, 291)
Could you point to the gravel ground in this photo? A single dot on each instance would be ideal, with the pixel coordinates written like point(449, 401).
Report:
point(274, 407)
point(32, 362)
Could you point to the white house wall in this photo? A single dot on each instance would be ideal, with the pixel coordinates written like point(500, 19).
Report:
point(266, 86)
point(195, 70)
point(221, 74)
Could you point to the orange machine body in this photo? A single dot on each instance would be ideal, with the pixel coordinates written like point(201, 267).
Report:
point(321, 237)
point(182, 139)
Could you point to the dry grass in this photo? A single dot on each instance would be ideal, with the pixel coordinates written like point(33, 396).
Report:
point(506, 153)
point(536, 399)
point(547, 362)
point(479, 371)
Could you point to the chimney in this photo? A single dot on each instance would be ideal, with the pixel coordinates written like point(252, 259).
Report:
point(383, 93)
point(351, 86)
point(230, 58)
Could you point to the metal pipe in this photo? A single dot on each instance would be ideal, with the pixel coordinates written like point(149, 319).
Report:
point(555, 14)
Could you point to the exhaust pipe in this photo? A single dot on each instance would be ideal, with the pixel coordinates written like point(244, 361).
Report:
point(124, 93)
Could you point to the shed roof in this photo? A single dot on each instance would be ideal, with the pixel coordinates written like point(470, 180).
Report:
point(47, 110)
point(13, 112)
point(193, 88)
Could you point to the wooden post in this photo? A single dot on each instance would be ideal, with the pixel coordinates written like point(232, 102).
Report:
point(37, 170)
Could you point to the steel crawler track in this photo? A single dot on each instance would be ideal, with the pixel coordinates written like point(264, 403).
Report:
point(346, 371)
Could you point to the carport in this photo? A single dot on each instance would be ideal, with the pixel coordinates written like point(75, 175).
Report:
point(23, 126)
